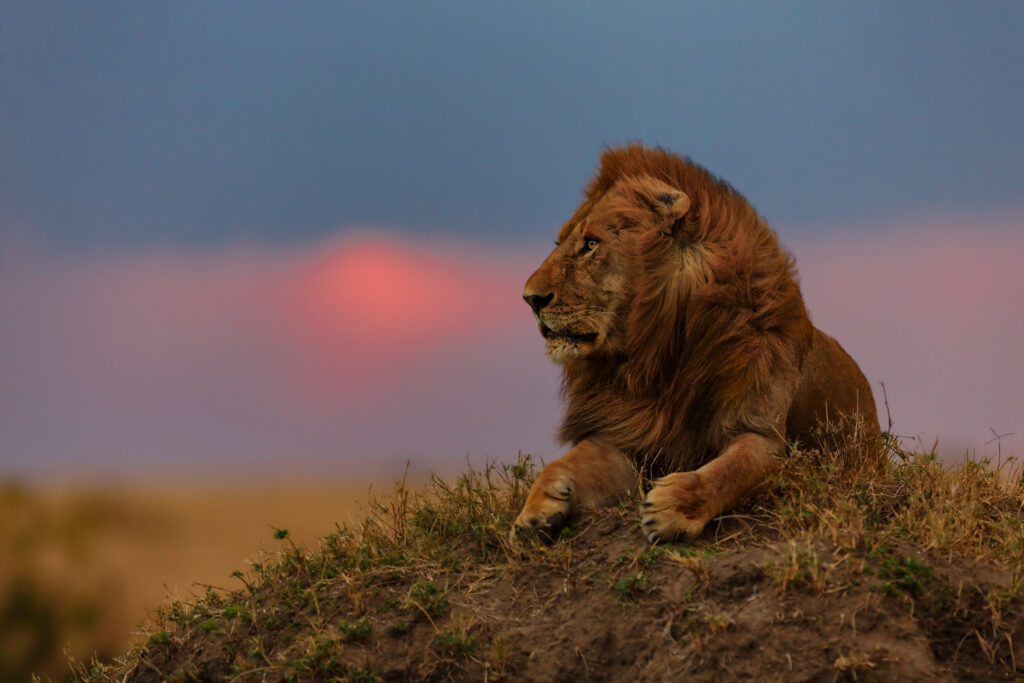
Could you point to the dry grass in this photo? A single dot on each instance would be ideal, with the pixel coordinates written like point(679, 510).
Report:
point(423, 587)
point(974, 509)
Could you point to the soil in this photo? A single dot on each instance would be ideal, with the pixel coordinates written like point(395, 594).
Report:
point(603, 606)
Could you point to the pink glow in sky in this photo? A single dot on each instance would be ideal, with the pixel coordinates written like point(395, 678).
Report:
point(933, 307)
point(370, 350)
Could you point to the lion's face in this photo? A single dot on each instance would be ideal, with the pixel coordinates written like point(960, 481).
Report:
point(578, 293)
point(581, 293)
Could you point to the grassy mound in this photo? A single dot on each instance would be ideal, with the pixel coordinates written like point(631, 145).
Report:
point(905, 570)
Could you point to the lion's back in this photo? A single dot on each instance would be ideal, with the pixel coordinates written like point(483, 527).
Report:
point(832, 388)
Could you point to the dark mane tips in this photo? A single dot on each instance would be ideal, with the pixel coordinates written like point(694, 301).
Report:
point(637, 159)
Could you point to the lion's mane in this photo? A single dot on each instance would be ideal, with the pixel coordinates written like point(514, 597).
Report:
point(716, 328)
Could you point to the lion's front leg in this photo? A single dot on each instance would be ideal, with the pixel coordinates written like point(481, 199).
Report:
point(591, 474)
point(681, 504)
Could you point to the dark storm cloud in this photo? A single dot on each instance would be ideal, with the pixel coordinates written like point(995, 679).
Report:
point(196, 123)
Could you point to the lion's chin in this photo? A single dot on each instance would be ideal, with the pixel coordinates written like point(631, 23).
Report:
point(563, 348)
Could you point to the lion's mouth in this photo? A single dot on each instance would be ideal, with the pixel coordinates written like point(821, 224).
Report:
point(567, 335)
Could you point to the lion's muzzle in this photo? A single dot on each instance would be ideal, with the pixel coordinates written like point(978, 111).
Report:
point(537, 301)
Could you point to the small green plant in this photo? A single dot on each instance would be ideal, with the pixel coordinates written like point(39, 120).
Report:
point(630, 586)
point(905, 575)
point(386, 605)
point(320, 656)
point(653, 554)
point(236, 611)
point(429, 597)
point(361, 675)
point(160, 639)
point(453, 643)
point(356, 630)
point(400, 629)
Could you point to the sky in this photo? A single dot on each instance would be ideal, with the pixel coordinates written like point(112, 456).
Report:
point(294, 236)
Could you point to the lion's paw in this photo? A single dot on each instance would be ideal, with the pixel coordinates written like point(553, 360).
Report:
point(547, 508)
point(677, 505)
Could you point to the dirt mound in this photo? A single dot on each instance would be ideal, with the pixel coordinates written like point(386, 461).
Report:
point(805, 584)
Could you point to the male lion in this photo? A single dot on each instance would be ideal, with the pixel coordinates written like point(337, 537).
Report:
point(685, 347)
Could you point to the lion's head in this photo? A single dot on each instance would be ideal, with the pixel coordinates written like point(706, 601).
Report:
point(583, 292)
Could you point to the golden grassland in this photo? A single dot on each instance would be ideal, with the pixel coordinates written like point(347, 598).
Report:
point(842, 568)
point(80, 567)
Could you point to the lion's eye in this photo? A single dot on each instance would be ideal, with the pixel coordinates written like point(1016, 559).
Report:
point(589, 245)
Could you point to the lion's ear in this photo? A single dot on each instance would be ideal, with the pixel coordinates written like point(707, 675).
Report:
point(667, 201)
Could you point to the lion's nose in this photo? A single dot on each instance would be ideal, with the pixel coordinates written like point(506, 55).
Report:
point(538, 301)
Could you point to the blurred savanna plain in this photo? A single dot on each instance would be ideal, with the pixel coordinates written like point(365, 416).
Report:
point(80, 567)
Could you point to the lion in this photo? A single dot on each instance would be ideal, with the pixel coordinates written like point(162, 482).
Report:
point(686, 350)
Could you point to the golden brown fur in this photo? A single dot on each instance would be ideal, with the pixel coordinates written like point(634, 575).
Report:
point(685, 345)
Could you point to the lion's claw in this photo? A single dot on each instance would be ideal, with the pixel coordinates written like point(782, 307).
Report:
point(675, 506)
point(555, 521)
point(546, 530)
point(548, 526)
